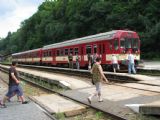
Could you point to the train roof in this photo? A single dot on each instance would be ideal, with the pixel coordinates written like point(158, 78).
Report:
point(27, 51)
point(91, 38)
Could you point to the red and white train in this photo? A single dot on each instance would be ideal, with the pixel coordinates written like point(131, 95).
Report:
point(117, 42)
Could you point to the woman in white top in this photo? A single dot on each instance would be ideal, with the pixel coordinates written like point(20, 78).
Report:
point(114, 63)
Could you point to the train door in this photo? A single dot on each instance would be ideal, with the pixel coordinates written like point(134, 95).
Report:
point(109, 51)
point(81, 56)
point(89, 55)
point(116, 46)
point(94, 49)
point(101, 47)
point(95, 52)
point(50, 59)
point(53, 57)
point(40, 57)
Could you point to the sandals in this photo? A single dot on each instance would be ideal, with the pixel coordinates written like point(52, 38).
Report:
point(2, 105)
point(101, 100)
point(25, 102)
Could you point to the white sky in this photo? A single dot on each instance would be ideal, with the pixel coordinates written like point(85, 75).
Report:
point(13, 12)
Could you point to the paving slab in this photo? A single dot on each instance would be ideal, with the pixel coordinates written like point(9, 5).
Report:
point(57, 104)
point(150, 108)
point(17, 111)
point(116, 99)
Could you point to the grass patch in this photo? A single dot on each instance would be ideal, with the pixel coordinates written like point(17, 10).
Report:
point(60, 116)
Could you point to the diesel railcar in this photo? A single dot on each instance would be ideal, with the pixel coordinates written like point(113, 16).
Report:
point(117, 42)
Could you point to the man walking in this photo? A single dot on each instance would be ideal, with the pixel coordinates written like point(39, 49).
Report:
point(131, 63)
point(14, 86)
point(77, 61)
point(70, 59)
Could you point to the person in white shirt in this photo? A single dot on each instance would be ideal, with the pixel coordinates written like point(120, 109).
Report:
point(114, 63)
point(131, 63)
point(77, 61)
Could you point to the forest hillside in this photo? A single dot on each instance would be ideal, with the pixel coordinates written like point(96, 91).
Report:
point(60, 20)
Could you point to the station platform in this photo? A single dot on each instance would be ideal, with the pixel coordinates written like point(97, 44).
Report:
point(120, 99)
point(55, 104)
point(17, 111)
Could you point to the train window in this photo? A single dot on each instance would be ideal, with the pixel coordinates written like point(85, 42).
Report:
point(37, 55)
point(116, 44)
point(71, 50)
point(134, 42)
point(122, 43)
point(66, 51)
point(45, 54)
point(62, 52)
point(33, 54)
point(53, 53)
point(50, 53)
point(75, 51)
point(127, 42)
point(88, 49)
point(95, 48)
point(58, 52)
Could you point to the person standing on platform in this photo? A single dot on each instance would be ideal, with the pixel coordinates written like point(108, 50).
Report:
point(70, 59)
point(97, 78)
point(95, 55)
point(131, 63)
point(114, 63)
point(77, 61)
point(89, 61)
point(14, 86)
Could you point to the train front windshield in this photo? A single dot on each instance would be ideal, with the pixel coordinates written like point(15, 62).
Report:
point(127, 43)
